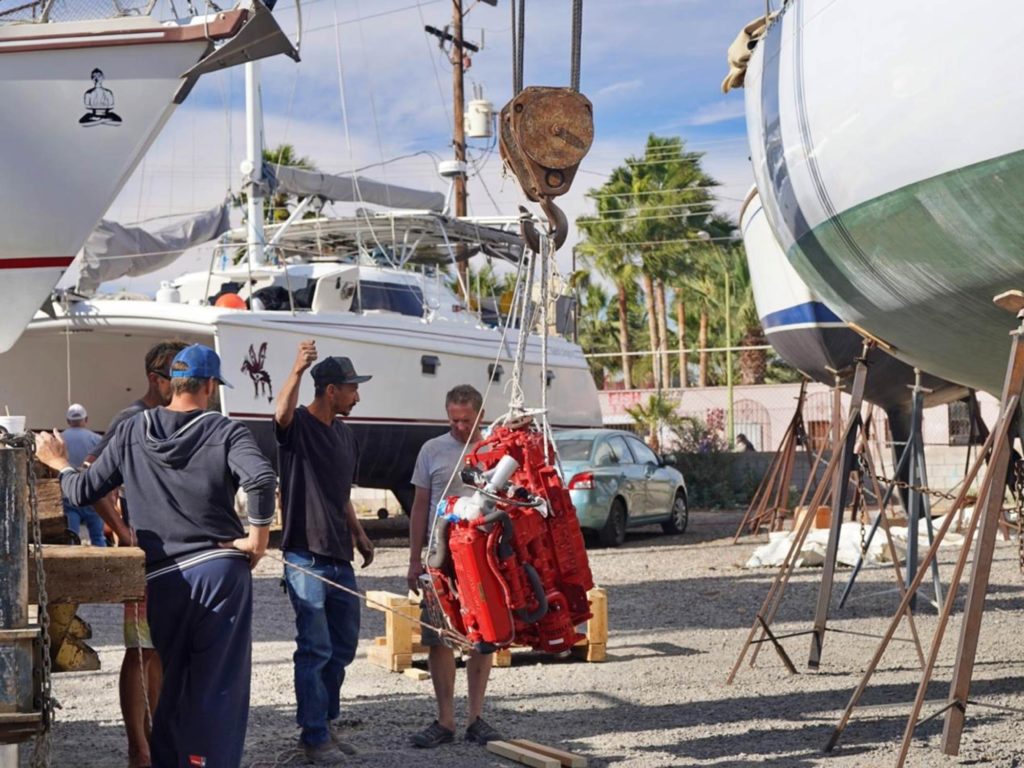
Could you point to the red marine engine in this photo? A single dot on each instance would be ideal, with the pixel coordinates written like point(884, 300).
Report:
point(509, 565)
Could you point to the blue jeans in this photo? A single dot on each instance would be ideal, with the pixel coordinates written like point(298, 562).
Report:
point(78, 515)
point(327, 632)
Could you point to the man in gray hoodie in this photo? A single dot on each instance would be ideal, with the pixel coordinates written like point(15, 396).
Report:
point(180, 467)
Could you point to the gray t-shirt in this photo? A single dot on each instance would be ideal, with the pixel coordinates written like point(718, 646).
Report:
point(434, 465)
point(80, 442)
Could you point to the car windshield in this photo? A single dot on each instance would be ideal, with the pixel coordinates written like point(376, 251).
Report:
point(574, 448)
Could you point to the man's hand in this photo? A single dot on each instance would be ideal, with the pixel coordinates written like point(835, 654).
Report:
point(365, 547)
point(412, 578)
point(51, 450)
point(306, 357)
point(254, 549)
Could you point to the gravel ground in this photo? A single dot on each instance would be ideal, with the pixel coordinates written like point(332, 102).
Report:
point(679, 609)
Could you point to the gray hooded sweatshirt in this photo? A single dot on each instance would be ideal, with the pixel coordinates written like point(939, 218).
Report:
point(180, 472)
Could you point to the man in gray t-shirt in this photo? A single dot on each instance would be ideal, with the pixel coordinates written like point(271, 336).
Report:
point(80, 442)
point(435, 466)
point(439, 460)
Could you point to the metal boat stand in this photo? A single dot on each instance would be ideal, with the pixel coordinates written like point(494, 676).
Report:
point(984, 521)
point(770, 504)
point(850, 455)
point(916, 501)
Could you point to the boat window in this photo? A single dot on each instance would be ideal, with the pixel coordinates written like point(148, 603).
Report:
point(388, 297)
point(494, 372)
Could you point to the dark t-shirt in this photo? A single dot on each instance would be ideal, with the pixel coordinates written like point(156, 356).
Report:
point(317, 465)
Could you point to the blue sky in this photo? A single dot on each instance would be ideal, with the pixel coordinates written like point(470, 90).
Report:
point(647, 65)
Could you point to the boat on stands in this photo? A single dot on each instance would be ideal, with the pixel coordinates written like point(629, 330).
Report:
point(84, 98)
point(890, 168)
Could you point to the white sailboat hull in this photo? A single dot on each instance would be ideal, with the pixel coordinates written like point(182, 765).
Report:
point(886, 148)
point(71, 138)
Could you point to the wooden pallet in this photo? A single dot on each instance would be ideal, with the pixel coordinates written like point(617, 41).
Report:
point(395, 650)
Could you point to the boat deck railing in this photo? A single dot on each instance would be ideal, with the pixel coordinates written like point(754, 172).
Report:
point(46, 11)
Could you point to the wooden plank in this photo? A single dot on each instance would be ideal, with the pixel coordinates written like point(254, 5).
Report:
point(592, 652)
point(416, 674)
point(523, 756)
point(52, 524)
point(382, 597)
point(567, 759)
point(90, 574)
point(597, 627)
point(380, 656)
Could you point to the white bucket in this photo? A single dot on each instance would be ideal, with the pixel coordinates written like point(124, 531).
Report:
point(13, 424)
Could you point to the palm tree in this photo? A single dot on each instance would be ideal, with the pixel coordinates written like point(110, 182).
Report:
point(603, 248)
point(283, 155)
point(658, 413)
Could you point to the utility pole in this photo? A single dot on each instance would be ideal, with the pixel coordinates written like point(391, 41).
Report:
point(459, 140)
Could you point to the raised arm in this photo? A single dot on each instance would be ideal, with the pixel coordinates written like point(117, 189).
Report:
point(288, 395)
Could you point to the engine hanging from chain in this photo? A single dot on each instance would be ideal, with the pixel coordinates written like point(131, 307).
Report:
point(545, 132)
point(509, 563)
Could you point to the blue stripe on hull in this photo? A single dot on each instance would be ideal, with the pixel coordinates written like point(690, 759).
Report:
point(801, 314)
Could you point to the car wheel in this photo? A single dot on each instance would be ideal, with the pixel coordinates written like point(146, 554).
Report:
point(614, 531)
point(678, 517)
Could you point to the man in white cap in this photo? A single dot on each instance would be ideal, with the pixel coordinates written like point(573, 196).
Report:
point(81, 441)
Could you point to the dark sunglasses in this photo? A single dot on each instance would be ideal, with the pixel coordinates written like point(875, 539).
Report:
point(161, 374)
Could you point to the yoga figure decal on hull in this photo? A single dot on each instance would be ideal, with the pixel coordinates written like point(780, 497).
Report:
point(99, 103)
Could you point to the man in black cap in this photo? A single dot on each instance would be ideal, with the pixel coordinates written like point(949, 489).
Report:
point(317, 459)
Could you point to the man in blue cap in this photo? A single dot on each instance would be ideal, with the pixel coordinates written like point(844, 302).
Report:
point(317, 458)
point(180, 466)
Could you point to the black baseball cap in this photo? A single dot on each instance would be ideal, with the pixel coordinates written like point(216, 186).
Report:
point(336, 370)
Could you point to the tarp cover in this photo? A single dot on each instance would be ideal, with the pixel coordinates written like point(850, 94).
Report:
point(114, 250)
point(349, 189)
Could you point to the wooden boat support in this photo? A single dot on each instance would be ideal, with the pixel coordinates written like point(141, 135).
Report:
point(91, 574)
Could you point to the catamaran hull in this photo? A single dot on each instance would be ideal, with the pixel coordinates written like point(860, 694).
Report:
point(886, 148)
point(82, 103)
point(100, 364)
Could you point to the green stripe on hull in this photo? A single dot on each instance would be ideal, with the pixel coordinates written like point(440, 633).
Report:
point(918, 267)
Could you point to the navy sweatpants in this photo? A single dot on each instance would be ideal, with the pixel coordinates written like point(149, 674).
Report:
point(201, 621)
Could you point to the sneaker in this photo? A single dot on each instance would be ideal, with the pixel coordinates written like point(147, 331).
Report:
point(434, 735)
point(334, 729)
point(481, 732)
point(323, 754)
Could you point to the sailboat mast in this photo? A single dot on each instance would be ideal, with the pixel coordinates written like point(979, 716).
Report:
point(253, 165)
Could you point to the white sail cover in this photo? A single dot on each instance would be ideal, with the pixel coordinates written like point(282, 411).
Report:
point(349, 189)
point(114, 250)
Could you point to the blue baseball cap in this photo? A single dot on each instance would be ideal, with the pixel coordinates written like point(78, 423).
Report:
point(197, 362)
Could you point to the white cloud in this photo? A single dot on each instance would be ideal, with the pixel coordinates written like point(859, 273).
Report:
point(718, 112)
point(619, 87)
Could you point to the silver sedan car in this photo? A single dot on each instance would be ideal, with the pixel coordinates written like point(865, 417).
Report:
point(617, 482)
